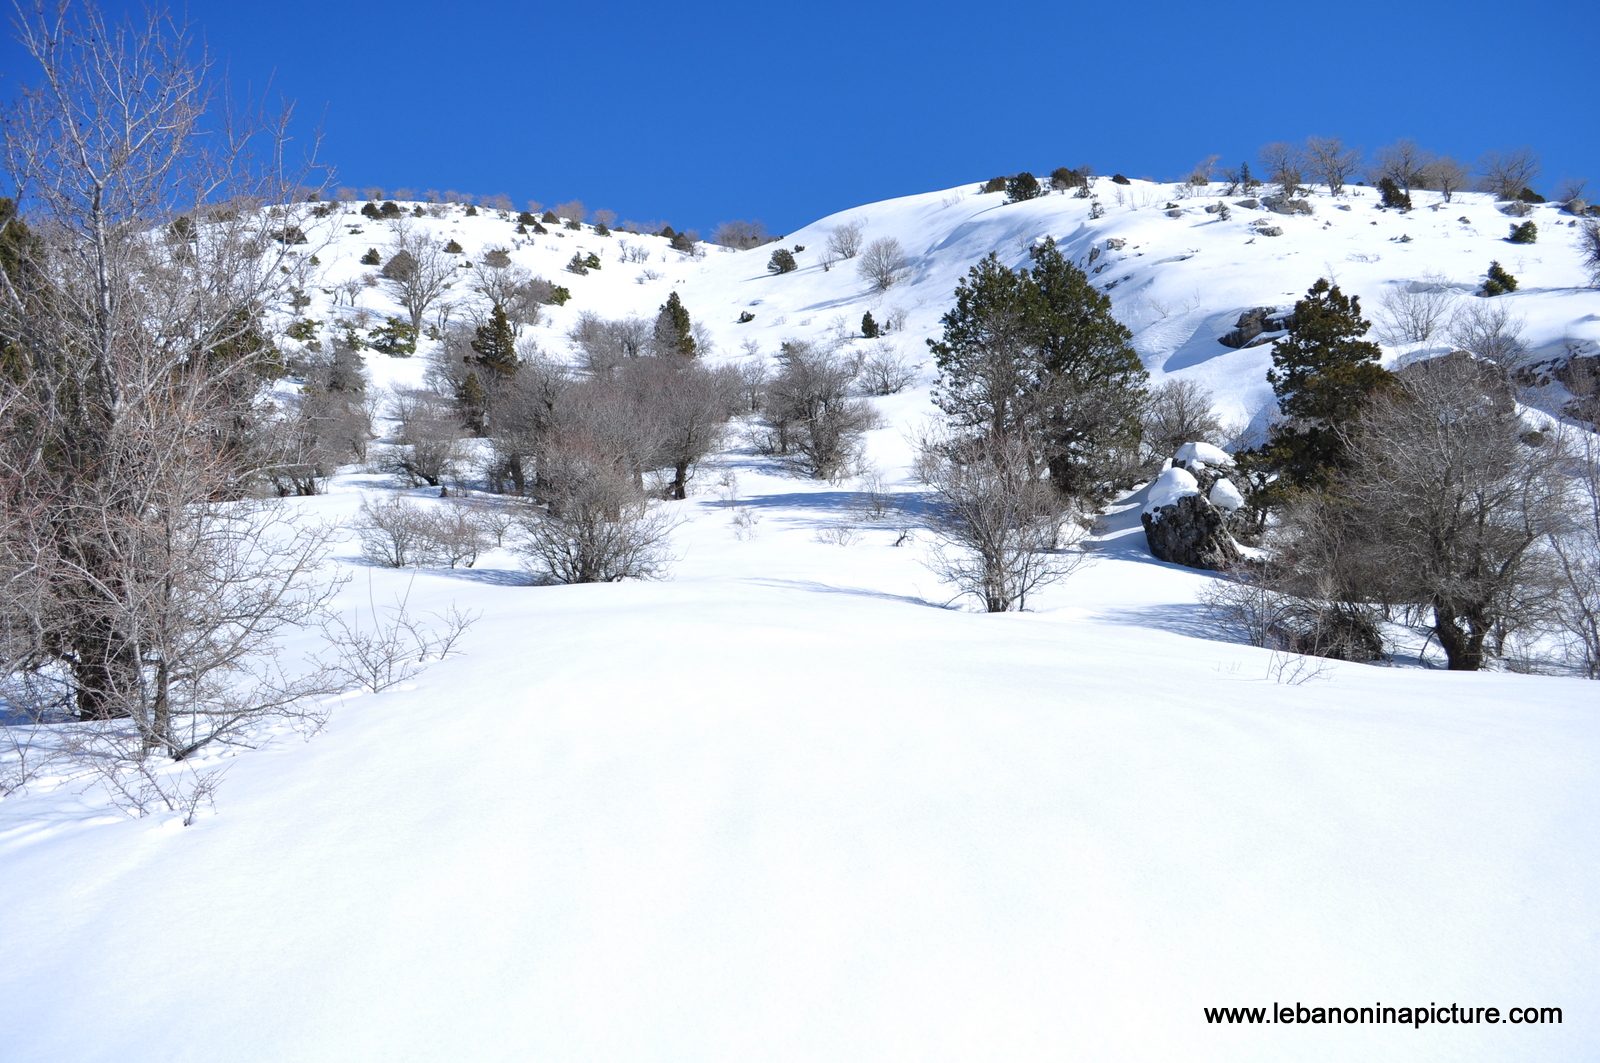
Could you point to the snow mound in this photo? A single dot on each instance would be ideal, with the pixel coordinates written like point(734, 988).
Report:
point(1170, 486)
point(1225, 496)
point(1203, 452)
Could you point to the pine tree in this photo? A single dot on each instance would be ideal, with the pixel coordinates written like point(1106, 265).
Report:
point(782, 261)
point(1323, 374)
point(1392, 194)
point(474, 402)
point(453, 248)
point(371, 258)
point(869, 327)
point(1039, 354)
point(1499, 282)
point(1526, 233)
point(1023, 186)
point(495, 344)
point(674, 330)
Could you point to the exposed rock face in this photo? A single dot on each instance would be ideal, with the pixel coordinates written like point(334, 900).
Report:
point(1248, 204)
point(1253, 324)
point(1285, 205)
point(1115, 243)
point(1190, 532)
point(1269, 230)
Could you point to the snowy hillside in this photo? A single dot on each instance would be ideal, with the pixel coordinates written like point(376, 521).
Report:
point(792, 803)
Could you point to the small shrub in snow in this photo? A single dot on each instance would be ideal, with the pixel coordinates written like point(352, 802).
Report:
point(1526, 233)
point(994, 184)
point(782, 261)
point(1063, 177)
point(598, 528)
point(885, 371)
point(845, 240)
point(1487, 330)
point(1498, 282)
point(371, 258)
point(882, 263)
point(745, 317)
point(1589, 247)
point(869, 327)
point(1413, 312)
point(577, 264)
point(1393, 195)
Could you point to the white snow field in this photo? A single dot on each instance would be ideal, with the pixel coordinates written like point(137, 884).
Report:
point(793, 804)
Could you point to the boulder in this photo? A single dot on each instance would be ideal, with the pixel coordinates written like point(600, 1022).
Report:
point(1188, 530)
point(1252, 324)
point(1248, 204)
point(1269, 230)
point(1115, 243)
point(1174, 213)
point(1516, 209)
point(1285, 205)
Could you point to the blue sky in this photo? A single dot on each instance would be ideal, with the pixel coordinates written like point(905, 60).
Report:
point(699, 113)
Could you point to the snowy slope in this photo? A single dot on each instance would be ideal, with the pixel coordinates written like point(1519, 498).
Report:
point(790, 806)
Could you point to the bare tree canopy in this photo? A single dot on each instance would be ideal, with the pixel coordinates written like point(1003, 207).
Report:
point(1507, 173)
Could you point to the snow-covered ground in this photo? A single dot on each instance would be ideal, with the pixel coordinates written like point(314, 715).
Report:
point(791, 805)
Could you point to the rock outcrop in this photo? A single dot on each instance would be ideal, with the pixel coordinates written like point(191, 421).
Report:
point(1185, 520)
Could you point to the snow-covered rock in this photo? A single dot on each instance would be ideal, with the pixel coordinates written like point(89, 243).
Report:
point(1205, 453)
point(1225, 496)
point(1170, 486)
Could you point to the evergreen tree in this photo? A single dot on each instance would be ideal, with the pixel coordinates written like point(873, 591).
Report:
point(474, 403)
point(674, 330)
point(1323, 373)
point(1499, 281)
point(1023, 186)
point(1392, 194)
point(1526, 233)
point(782, 261)
point(1038, 353)
point(371, 258)
point(371, 211)
point(495, 344)
point(453, 248)
point(869, 327)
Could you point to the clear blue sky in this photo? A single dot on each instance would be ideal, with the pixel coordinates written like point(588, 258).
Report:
point(699, 113)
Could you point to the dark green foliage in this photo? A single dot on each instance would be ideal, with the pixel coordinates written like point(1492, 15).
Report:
point(522, 230)
point(1023, 186)
point(600, 229)
point(472, 211)
point(540, 230)
point(1528, 195)
point(527, 218)
point(995, 184)
point(782, 261)
point(1036, 353)
point(371, 258)
point(1499, 282)
point(593, 261)
point(1323, 374)
point(746, 316)
point(371, 211)
point(574, 224)
point(291, 235)
point(577, 264)
point(1526, 233)
point(1118, 179)
point(1063, 177)
point(495, 344)
point(396, 338)
point(418, 212)
point(559, 295)
point(683, 242)
point(674, 330)
point(1394, 195)
point(869, 327)
point(549, 217)
point(667, 232)
point(390, 209)
point(304, 330)
point(453, 248)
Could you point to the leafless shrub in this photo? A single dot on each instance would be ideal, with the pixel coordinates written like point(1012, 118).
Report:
point(1001, 526)
point(1178, 412)
point(1445, 174)
point(393, 532)
point(419, 271)
point(1332, 161)
point(390, 646)
point(1285, 166)
point(1488, 329)
point(838, 533)
point(874, 501)
point(884, 371)
point(633, 253)
point(844, 241)
point(740, 235)
point(606, 343)
point(882, 263)
point(572, 210)
point(1403, 162)
point(1589, 248)
point(1412, 313)
point(1506, 173)
point(428, 446)
point(598, 526)
point(815, 423)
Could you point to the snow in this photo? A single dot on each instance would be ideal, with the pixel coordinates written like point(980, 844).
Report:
point(1225, 496)
point(1169, 487)
point(793, 804)
point(1204, 453)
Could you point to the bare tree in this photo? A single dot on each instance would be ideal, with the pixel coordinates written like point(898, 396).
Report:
point(597, 526)
point(1489, 330)
point(1451, 499)
point(1285, 166)
point(1507, 173)
point(141, 591)
point(1402, 162)
point(882, 263)
point(844, 241)
point(1589, 247)
point(1179, 411)
point(815, 421)
point(1001, 526)
point(428, 444)
point(1333, 162)
point(606, 343)
point(691, 403)
point(419, 271)
point(1577, 551)
point(1446, 175)
point(572, 211)
point(740, 235)
point(1414, 311)
point(885, 371)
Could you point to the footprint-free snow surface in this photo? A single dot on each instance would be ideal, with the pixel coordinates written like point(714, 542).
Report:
point(793, 804)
